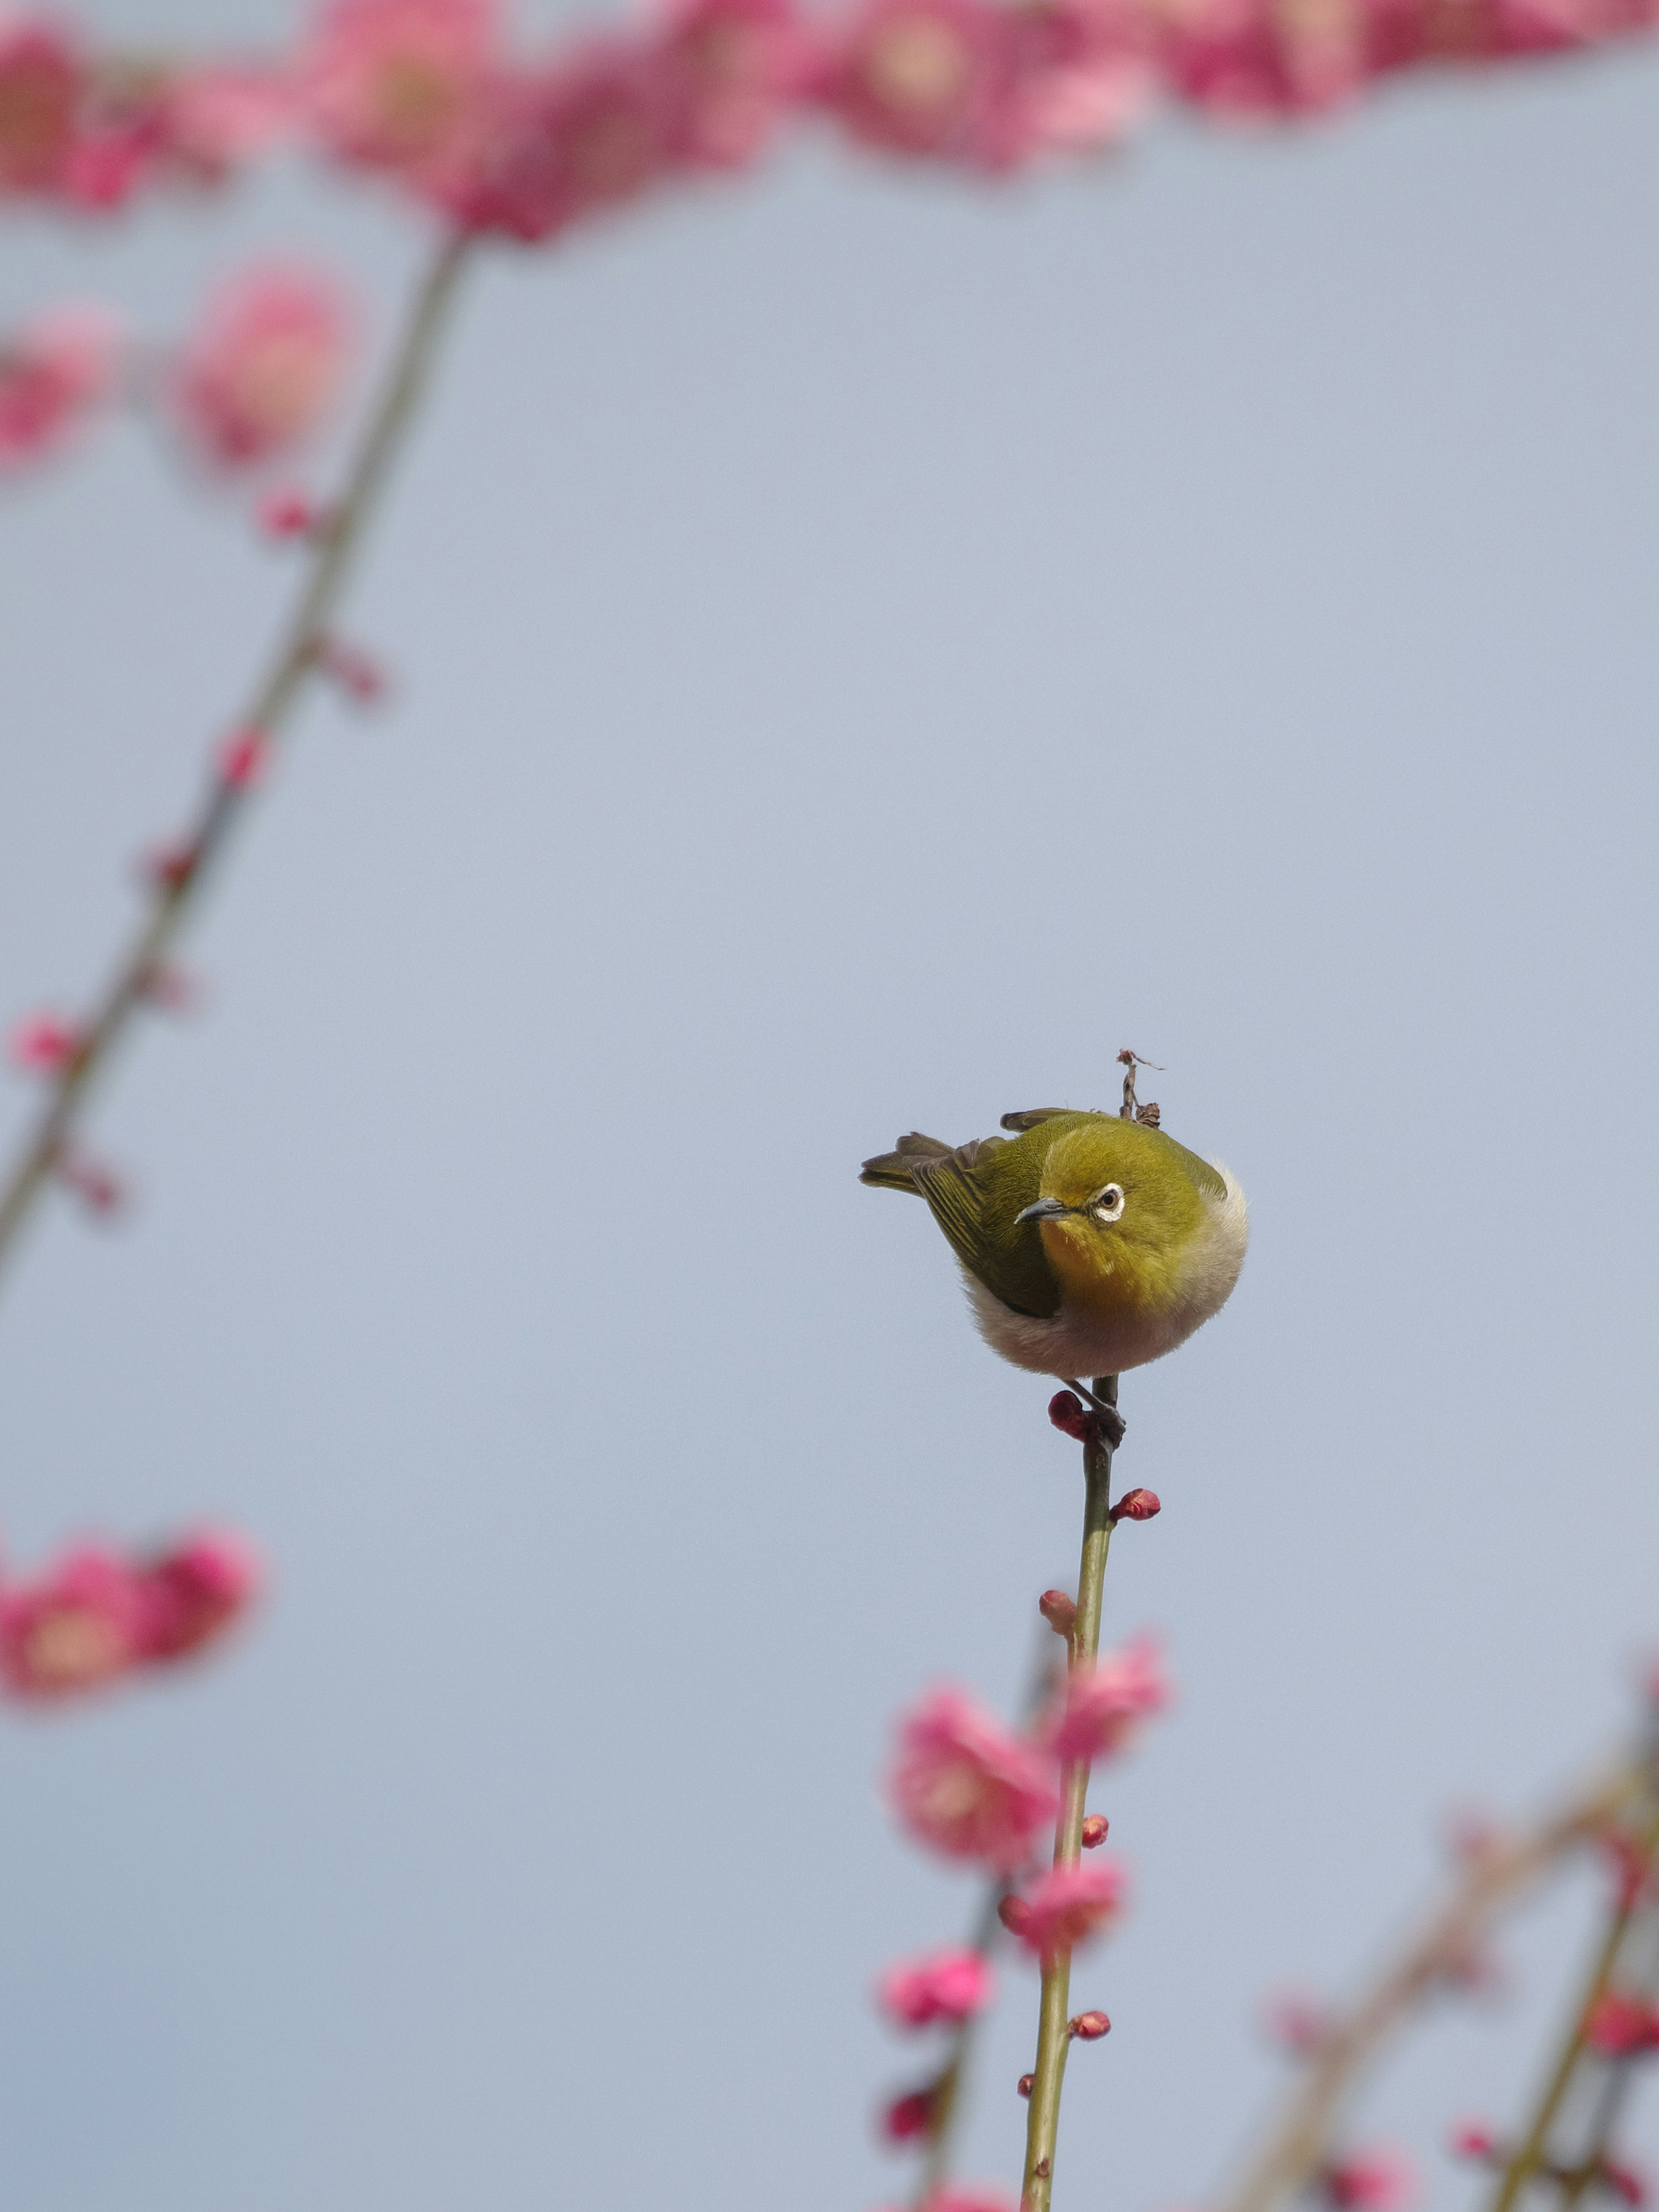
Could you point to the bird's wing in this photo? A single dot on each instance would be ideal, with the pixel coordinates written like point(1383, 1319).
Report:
point(975, 1193)
point(1032, 1115)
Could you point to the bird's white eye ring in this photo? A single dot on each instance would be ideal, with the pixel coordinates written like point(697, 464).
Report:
point(1108, 1205)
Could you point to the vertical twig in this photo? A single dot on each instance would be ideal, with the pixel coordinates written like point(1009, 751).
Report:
point(1043, 2124)
point(292, 663)
point(1532, 2157)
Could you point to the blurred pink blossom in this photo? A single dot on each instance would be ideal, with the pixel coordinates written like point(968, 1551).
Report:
point(928, 78)
point(949, 1986)
point(74, 1628)
point(1297, 2021)
point(1083, 76)
point(243, 759)
point(214, 120)
point(1066, 1906)
point(55, 371)
point(1621, 2026)
point(263, 367)
point(969, 2196)
point(908, 2117)
point(42, 1043)
point(42, 79)
point(963, 1784)
point(729, 69)
point(193, 1592)
point(1624, 2181)
point(1473, 2139)
point(548, 148)
point(1105, 1704)
point(1378, 2179)
point(394, 84)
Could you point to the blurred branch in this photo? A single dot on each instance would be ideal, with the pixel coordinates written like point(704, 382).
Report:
point(294, 662)
point(1298, 2144)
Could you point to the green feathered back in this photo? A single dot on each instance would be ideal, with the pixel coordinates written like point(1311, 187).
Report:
point(976, 1190)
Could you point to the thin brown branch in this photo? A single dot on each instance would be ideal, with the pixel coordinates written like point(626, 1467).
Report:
point(1298, 2143)
point(293, 666)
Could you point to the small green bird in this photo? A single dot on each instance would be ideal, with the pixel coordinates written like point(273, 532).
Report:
point(1088, 1244)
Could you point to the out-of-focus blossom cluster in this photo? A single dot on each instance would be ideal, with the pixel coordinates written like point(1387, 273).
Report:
point(1378, 2178)
point(255, 378)
point(431, 94)
point(976, 1792)
point(97, 1614)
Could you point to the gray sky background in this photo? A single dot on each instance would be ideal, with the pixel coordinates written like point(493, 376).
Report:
point(868, 646)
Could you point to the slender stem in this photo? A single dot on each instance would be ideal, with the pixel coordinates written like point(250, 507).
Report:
point(1043, 2124)
point(1531, 2155)
point(1299, 2140)
point(293, 664)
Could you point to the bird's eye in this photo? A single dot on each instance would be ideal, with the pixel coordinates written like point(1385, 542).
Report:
point(1108, 1205)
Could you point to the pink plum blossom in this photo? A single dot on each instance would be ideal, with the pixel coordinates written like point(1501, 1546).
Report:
point(213, 121)
point(969, 2196)
point(55, 371)
point(729, 68)
point(1105, 1704)
point(963, 1784)
point(42, 79)
point(949, 1985)
point(75, 1627)
point(394, 84)
point(1065, 1906)
point(1378, 2179)
point(263, 367)
point(193, 1592)
point(1081, 77)
point(928, 78)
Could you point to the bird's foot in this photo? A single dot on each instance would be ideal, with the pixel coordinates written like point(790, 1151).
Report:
point(1102, 1422)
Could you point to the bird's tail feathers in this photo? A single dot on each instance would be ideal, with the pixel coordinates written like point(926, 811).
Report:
point(891, 1170)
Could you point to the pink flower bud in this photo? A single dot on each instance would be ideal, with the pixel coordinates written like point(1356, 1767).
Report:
point(1066, 1906)
point(193, 1593)
point(244, 758)
point(1094, 1831)
point(174, 989)
point(1632, 1864)
point(97, 1186)
point(1378, 2180)
point(1059, 1611)
point(1025, 2084)
point(963, 1784)
point(42, 1044)
point(1066, 1412)
point(287, 514)
point(169, 868)
point(1013, 1912)
point(1620, 2026)
point(908, 2116)
point(1297, 2021)
point(1137, 1506)
point(1624, 2181)
point(949, 1985)
point(1089, 2027)
point(1473, 2139)
point(356, 673)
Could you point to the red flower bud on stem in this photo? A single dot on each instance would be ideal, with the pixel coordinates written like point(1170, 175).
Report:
point(1059, 1611)
point(1094, 1831)
point(1025, 2084)
point(243, 759)
point(1137, 1506)
point(1066, 1412)
point(1089, 2027)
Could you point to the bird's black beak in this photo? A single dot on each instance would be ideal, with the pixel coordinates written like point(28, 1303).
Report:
point(1043, 1209)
